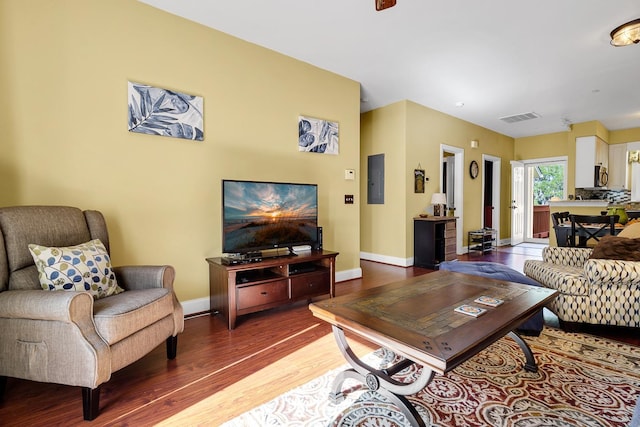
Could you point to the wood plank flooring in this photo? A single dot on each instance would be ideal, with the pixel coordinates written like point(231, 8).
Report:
point(218, 373)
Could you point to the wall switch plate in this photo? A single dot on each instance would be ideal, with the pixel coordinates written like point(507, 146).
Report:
point(348, 199)
point(349, 174)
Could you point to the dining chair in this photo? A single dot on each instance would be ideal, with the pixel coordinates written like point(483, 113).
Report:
point(560, 221)
point(587, 227)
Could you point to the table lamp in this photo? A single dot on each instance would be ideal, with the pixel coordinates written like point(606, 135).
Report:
point(438, 200)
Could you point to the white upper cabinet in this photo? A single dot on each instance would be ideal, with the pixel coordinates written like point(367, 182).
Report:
point(618, 167)
point(590, 151)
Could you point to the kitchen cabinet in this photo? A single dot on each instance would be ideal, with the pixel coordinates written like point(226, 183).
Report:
point(590, 151)
point(618, 167)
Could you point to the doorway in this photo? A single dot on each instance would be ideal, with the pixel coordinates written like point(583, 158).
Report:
point(491, 192)
point(451, 183)
point(541, 180)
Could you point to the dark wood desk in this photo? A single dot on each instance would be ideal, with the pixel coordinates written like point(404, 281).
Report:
point(415, 318)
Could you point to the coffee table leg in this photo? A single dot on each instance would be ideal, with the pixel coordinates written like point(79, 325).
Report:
point(530, 365)
point(380, 380)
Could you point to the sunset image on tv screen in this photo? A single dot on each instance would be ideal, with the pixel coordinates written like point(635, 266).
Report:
point(262, 214)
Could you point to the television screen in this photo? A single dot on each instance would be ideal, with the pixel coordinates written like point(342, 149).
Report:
point(267, 215)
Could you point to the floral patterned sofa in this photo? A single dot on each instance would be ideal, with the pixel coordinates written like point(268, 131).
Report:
point(596, 291)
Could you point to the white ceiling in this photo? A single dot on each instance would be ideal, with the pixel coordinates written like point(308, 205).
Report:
point(498, 57)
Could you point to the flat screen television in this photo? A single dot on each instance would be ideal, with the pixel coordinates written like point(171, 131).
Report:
point(267, 215)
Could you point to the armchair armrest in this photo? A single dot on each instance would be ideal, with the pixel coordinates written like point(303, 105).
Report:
point(50, 336)
point(132, 277)
point(609, 271)
point(63, 306)
point(573, 257)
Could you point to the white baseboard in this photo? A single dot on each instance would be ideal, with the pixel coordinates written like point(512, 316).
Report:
point(344, 275)
point(194, 306)
point(402, 262)
point(201, 305)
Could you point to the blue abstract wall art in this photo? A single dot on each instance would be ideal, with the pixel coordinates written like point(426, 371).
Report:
point(317, 135)
point(157, 111)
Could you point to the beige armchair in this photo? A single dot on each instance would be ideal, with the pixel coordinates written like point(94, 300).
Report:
point(74, 337)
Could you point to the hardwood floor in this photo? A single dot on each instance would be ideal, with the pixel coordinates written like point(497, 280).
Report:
point(218, 373)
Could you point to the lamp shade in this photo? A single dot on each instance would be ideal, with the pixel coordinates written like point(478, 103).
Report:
point(626, 34)
point(438, 199)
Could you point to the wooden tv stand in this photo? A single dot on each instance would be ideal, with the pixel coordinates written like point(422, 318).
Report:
point(241, 289)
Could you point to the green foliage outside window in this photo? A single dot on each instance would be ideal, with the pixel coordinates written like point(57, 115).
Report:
point(548, 182)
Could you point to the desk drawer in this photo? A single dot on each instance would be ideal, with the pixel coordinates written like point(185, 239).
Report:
point(263, 294)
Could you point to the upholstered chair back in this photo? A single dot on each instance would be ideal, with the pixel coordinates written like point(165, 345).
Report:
point(43, 225)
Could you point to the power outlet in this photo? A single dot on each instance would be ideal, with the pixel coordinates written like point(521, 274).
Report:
point(348, 199)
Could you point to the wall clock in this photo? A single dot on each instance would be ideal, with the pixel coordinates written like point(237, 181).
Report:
point(473, 169)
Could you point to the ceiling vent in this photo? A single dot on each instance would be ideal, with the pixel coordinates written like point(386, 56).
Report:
point(519, 117)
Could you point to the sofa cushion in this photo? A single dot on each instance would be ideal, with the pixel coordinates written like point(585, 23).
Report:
point(84, 267)
point(615, 247)
point(563, 278)
point(120, 316)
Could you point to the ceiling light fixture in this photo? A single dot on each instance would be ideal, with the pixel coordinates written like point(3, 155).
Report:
point(626, 34)
point(384, 4)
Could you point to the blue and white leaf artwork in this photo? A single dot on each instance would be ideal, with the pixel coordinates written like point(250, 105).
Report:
point(317, 135)
point(157, 111)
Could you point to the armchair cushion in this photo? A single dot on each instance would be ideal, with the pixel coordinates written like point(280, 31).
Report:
point(120, 316)
point(84, 267)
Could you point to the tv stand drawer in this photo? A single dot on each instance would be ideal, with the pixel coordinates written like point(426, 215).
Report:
point(263, 294)
point(308, 285)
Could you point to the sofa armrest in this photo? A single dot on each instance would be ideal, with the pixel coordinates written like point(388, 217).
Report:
point(132, 277)
point(609, 271)
point(573, 257)
point(61, 306)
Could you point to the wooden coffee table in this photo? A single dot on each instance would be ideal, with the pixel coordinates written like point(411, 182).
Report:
point(415, 318)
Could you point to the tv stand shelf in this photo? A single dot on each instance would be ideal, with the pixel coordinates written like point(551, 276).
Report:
point(240, 289)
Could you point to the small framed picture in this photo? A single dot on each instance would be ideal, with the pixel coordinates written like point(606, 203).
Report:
point(418, 183)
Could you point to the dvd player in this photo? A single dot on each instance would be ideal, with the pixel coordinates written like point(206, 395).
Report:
point(241, 259)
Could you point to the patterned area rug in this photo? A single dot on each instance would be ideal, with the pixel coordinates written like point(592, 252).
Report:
point(582, 381)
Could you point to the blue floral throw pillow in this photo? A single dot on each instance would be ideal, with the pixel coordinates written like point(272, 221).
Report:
point(84, 267)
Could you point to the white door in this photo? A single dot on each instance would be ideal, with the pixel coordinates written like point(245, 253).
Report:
point(517, 203)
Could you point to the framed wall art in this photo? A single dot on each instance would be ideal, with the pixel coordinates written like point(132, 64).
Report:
point(157, 111)
point(317, 135)
point(418, 184)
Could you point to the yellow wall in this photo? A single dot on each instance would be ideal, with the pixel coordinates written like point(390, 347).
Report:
point(427, 130)
point(624, 136)
point(412, 134)
point(65, 141)
point(557, 144)
point(382, 230)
